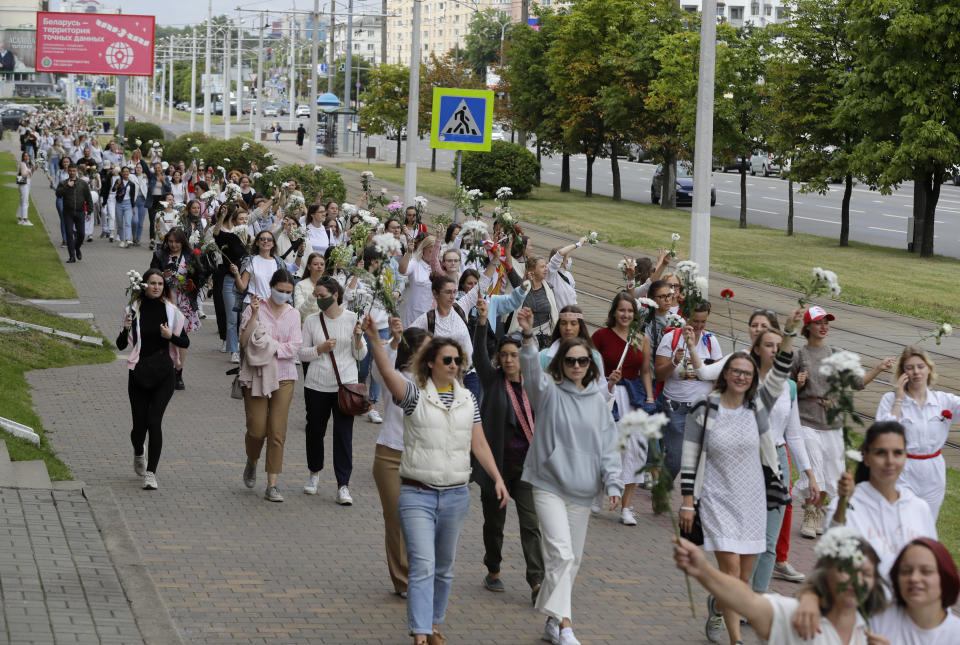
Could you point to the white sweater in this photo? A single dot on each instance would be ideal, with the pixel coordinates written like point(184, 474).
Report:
point(320, 376)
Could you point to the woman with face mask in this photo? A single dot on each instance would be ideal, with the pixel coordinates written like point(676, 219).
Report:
point(270, 336)
point(332, 339)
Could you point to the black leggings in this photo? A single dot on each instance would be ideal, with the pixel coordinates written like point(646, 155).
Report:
point(147, 407)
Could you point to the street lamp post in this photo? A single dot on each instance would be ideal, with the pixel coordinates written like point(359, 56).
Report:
point(703, 143)
point(193, 84)
point(413, 108)
point(312, 95)
point(207, 68)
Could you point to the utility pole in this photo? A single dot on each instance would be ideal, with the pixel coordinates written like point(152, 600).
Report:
point(239, 70)
point(170, 107)
point(346, 76)
point(292, 90)
point(121, 105)
point(413, 108)
point(330, 71)
point(193, 83)
point(703, 142)
point(256, 132)
point(524, 16)
point(312, 95)
point(225, 102)
point(163, 87)
point(208, 68)
point(383, 32)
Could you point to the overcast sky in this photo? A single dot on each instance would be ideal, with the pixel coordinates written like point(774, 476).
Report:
point(190, 12)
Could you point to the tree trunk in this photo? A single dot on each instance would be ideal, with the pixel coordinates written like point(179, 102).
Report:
point(539, 163)
point(845, 210)
point(433, 160)
point(615, 171)
point(565, 173)
point(743, 196)
point(588, 192)
point(398, 148)
point(668, 189)
point(931, 189)
point(790, 207)
point(919, 211)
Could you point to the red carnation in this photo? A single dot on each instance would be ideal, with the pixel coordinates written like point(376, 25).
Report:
point(726, 293)
point(946, 414)
point(197, 251)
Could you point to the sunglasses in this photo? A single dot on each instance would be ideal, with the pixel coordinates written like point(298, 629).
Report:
point(582, 361)
point(769, 313)
point(450, 359)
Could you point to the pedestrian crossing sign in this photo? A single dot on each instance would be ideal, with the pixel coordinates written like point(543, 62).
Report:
point(461, 119)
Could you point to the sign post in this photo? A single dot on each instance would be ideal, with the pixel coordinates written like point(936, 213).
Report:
point(461, 120)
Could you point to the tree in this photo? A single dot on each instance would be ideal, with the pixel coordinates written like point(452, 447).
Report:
point(903, 90)
point(360, 72)
point(442, 71)
point(484, 38)
point(385, 102)
point(808, 73)
point(533, 104)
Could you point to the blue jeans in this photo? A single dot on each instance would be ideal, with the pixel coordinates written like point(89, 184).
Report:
point(672, 440)
point(763, 565)
point(63, 221)
point(141, 212)
point(363, 369)
point(230, 300)
point(125, 220)
point(472, 382)
point(431, 522)
point(53, 163)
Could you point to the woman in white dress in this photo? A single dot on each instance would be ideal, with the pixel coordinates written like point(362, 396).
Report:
point(925, 415)
point(730, 466)
point(24, 173)
point(770, 614)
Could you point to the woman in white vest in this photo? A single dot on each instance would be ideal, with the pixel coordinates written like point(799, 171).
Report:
point(441, 426)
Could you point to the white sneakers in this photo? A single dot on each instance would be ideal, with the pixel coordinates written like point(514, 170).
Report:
point(627, 518)
point(343, 496)
point(310, 488)
point(373, 416)
point(556, 636)
point(785, 571)
point(24, 222)
point(149, 481)
point(811, 522)
point(567, 637)
point(223, 347)
point(140, 465)
point(235, 357)
point(123, 244)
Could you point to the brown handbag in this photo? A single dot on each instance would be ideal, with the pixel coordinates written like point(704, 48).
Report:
point(352, 398)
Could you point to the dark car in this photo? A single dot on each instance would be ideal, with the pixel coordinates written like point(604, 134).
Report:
point(11, 118)
point(729, 162)
point(684, 185)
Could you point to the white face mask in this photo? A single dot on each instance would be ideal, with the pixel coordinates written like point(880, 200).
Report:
point(279, 297)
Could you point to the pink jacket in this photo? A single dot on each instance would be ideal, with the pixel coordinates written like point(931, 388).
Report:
point(286, 331)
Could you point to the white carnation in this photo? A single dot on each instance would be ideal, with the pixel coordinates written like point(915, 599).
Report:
point(647, 425)
point(317, 168)
point(367, 218)
point(842, 361)
point(675, 320)
point(841, 543)
point(647, 302)
point(504, 191)
point(420, 201)
point(701, 283)
point(386, 243)
point(946, 329)
point(675, 237)
point(854, 455)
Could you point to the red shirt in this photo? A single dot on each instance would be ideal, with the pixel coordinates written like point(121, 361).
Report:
point(610, 346)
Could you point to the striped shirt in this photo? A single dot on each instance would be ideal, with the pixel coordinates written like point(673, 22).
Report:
point(412, 396)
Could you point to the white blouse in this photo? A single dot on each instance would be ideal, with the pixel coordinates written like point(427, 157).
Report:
point(896, 625)
point(927, 427)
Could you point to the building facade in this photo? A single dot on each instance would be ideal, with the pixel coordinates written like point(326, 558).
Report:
point(742, 12)
point(364, 40)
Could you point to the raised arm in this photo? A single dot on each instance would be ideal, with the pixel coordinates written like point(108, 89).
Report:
point(481, 357)
point(392, 379)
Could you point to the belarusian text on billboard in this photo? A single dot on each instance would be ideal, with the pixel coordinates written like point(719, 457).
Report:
point(94, 43)
point(17, 50)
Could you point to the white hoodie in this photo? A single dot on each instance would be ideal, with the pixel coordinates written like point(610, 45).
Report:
point(888, 527)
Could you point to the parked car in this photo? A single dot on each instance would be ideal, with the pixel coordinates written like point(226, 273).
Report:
point(303, 110)
point(496, 132)
point(11, 117)
point(271, 109)
point(764, 162)
point(729, 162)
point(635, 152)
point(684, 185)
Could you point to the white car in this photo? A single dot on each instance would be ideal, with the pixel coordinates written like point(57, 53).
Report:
point(303, 110)
point(496, 133)
point(271, 110)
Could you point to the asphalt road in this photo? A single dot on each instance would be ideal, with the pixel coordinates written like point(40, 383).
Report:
point(874, 218)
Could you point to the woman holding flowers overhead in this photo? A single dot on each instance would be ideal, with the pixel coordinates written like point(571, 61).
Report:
point(730, 466)
point(926, 415)
point(155, 328)
point(626, 364)
point(840, 553)
point(824, 441)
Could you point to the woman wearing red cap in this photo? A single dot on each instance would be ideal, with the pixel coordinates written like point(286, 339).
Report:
point(926, 415)
point(824, 443)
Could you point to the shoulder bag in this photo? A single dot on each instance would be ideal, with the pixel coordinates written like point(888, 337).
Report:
point(352, 398)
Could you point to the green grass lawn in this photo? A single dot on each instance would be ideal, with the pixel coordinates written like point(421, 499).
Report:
point(22, 351)
point(29, 265)
point(759, 253)
point(948, 526)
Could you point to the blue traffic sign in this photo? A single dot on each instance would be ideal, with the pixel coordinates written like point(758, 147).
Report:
point(323, 68)
point(462, 119)
point(84, 93)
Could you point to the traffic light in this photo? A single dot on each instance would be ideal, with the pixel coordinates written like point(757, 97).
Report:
point(342, 67)
point(269, 53)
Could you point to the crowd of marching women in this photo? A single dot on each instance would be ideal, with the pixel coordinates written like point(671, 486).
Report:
point(469, 349)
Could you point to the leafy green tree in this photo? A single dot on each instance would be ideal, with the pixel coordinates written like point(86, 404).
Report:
point(359, 72)
point(483, 39)
point(903, 91)
point(445, 70)
point(385, 102)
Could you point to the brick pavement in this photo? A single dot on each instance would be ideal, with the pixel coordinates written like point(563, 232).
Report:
point(232, 568)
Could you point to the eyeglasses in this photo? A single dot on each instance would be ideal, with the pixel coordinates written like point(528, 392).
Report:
point(741, 373)
point(265, 239)
point(663, 296)
point(769, 313)
point(570, 361)
point(450, 359)
point(448, 292)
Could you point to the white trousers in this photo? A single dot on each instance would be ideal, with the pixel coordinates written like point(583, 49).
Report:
point(108, 216)
point(827, 461)
point(23, 208)
point(563, 530)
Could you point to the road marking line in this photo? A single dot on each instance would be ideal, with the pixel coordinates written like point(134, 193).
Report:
point(729, 192)
point(757, 210)
point(891, 215)
point(889, 230)
point(778, 199)
point(814, 219)
point(838, 208)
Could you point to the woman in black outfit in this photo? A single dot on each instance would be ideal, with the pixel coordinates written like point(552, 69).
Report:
point(234, 250)
point(151, 325)
point(508, 426)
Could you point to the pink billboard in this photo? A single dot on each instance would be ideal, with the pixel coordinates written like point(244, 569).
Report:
point(94, 43)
